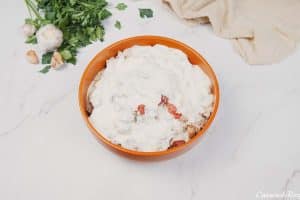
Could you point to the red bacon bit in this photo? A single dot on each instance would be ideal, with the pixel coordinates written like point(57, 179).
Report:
point(164, 100)
point(171, 108)
point(141, 109)
point(177, 115)
point(177, 143)
point(173, 111)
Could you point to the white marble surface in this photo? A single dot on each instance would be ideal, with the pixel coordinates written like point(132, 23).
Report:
point(47, 152)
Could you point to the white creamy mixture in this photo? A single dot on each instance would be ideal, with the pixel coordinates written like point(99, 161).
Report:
point(141, 75)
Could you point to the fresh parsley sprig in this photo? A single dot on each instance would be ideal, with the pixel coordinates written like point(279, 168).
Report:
point(79, 20)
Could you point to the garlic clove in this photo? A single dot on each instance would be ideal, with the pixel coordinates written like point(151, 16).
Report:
point(32, 57)
point(56, 60)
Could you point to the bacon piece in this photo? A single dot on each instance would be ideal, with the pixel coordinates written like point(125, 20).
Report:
point(177, 143)
point(164, 100)
point(177, 115)
point(141, 109)
point(173, 111)
point(171, 108)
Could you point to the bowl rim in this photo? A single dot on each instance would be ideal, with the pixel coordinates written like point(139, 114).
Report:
point(121, 149)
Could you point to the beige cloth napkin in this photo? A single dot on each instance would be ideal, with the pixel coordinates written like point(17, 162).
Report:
point(262, 31)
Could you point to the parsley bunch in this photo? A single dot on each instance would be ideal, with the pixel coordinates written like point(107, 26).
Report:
point(79, 20)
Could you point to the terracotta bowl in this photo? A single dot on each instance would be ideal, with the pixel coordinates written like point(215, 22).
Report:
point(98, 63)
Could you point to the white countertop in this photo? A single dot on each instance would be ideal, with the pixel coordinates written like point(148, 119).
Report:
point(47, 152)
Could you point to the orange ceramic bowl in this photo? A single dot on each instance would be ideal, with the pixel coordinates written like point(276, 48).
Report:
point(99, 62)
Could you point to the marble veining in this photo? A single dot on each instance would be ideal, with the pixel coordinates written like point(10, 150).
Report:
point(18, 125)
point(292, 183)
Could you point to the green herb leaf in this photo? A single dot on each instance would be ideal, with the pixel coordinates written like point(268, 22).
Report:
point(118, 25)
point(121, 6)
point(45, 70)
point(34, 22)
point(46, 58)
point(31, 40)
point(73, 2)
point(100, 33)
point(72, 60)
point(146, 12)
point(66, 54)
point(29, 21)
point(50, 15)
point(103, 14)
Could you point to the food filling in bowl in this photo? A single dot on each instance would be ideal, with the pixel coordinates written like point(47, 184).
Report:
point(150, 98)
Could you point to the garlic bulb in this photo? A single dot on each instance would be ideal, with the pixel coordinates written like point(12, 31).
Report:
point(28, 30)
point(49, 38)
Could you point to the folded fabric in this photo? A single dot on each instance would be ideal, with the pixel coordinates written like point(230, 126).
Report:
point(262, 31)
